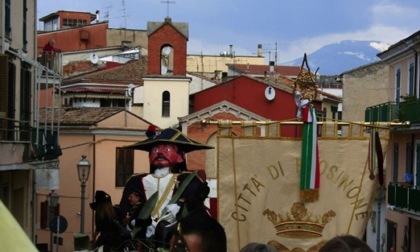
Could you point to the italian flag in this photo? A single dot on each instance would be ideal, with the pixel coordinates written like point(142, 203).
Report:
point(309, 184)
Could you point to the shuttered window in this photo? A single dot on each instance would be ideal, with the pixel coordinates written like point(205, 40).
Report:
point(4, 90)
point(124, 166)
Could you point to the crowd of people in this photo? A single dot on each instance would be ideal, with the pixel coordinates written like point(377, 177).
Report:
point(164, 209)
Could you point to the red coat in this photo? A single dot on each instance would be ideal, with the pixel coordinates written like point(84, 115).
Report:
point(49, 48)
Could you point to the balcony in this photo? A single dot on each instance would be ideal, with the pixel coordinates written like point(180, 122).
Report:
point(385, 112)
point(13, 130)
point(409, 111)
point(52, 61)
point(404, 198)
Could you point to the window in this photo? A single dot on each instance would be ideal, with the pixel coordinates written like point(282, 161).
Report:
point(4, 93)
point(410, 84)
point(391, 233)
point(7, 21)
point(24, 35)
point(46, 214)
point(68, 22)
point(417, 164)
point(166, 104)
point(25, 101)
point(409, 158)
point(397, 85)
point(124, 166)
point(106, 102)
point(395, 162)
point(11, 94)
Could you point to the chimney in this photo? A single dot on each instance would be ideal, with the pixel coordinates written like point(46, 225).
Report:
point(218, 74)
point(271, 68)
point(97, 16)
point(259, 52)
point(231, 50)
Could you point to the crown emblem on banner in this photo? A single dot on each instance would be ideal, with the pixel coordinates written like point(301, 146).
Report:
point(299, 223)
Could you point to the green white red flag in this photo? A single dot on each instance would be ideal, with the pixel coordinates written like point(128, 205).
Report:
point(309, 184)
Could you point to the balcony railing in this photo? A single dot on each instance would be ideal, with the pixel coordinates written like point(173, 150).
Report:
point(53, 61)
point(404, 111)
point(404, 197)
point(409, 111)
point(385, 112)
point(14, 131)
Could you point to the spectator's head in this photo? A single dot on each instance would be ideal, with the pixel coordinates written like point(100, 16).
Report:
point(101, 197)
point(258, 247)
point(345, 243)
point(135, 196)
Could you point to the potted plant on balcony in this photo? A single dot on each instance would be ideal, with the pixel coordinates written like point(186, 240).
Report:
point(404, 106)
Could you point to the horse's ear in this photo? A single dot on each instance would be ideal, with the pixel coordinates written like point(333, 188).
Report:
point(202, 175)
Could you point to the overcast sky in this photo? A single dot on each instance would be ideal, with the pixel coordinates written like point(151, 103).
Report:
point(295, 26)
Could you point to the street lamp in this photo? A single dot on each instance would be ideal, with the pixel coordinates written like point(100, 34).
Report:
point(52, 199)
point(83, 169)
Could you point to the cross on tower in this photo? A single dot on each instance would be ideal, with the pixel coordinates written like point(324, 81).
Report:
point(167, 6)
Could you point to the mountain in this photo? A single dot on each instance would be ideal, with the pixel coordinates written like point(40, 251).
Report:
point(334, 59)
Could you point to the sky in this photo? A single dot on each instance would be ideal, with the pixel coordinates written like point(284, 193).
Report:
point(286, 28)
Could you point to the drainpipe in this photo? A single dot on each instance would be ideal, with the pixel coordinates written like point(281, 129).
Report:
point(93, 182)
point(3, 15)
point(416, 63)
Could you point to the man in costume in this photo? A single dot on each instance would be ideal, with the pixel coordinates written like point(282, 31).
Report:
point(170, 190)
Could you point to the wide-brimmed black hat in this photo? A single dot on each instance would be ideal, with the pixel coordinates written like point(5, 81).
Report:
point(100, 197)
point(172, 136)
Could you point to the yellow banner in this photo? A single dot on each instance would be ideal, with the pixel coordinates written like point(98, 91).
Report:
point(259, 186)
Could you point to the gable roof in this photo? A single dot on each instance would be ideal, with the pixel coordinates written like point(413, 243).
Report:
point(82, 116)
point(181, 27)
point(261, 70)
point(223, 106)
point(278, 84)
point(132, 72)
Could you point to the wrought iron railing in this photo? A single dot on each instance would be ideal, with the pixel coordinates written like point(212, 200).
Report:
point(404, 197)
point(14, 130)
point(52, 61)
point(384, 112)
point(410, 111)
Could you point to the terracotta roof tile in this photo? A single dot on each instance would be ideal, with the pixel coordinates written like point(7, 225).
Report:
point(81, 116)
point(131, 72)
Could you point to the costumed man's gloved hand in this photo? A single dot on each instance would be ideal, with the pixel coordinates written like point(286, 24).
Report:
point(166, 226)
point(151, 229)
point(170, 214)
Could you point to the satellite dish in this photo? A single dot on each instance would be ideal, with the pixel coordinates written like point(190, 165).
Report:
point(94, 58)
point(270, 93)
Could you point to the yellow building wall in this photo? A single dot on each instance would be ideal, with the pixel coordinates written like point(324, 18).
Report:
point(179, 100)
point(207, 64)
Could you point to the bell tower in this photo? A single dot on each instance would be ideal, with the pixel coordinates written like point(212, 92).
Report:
point(166, 86)
point(167, 48)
